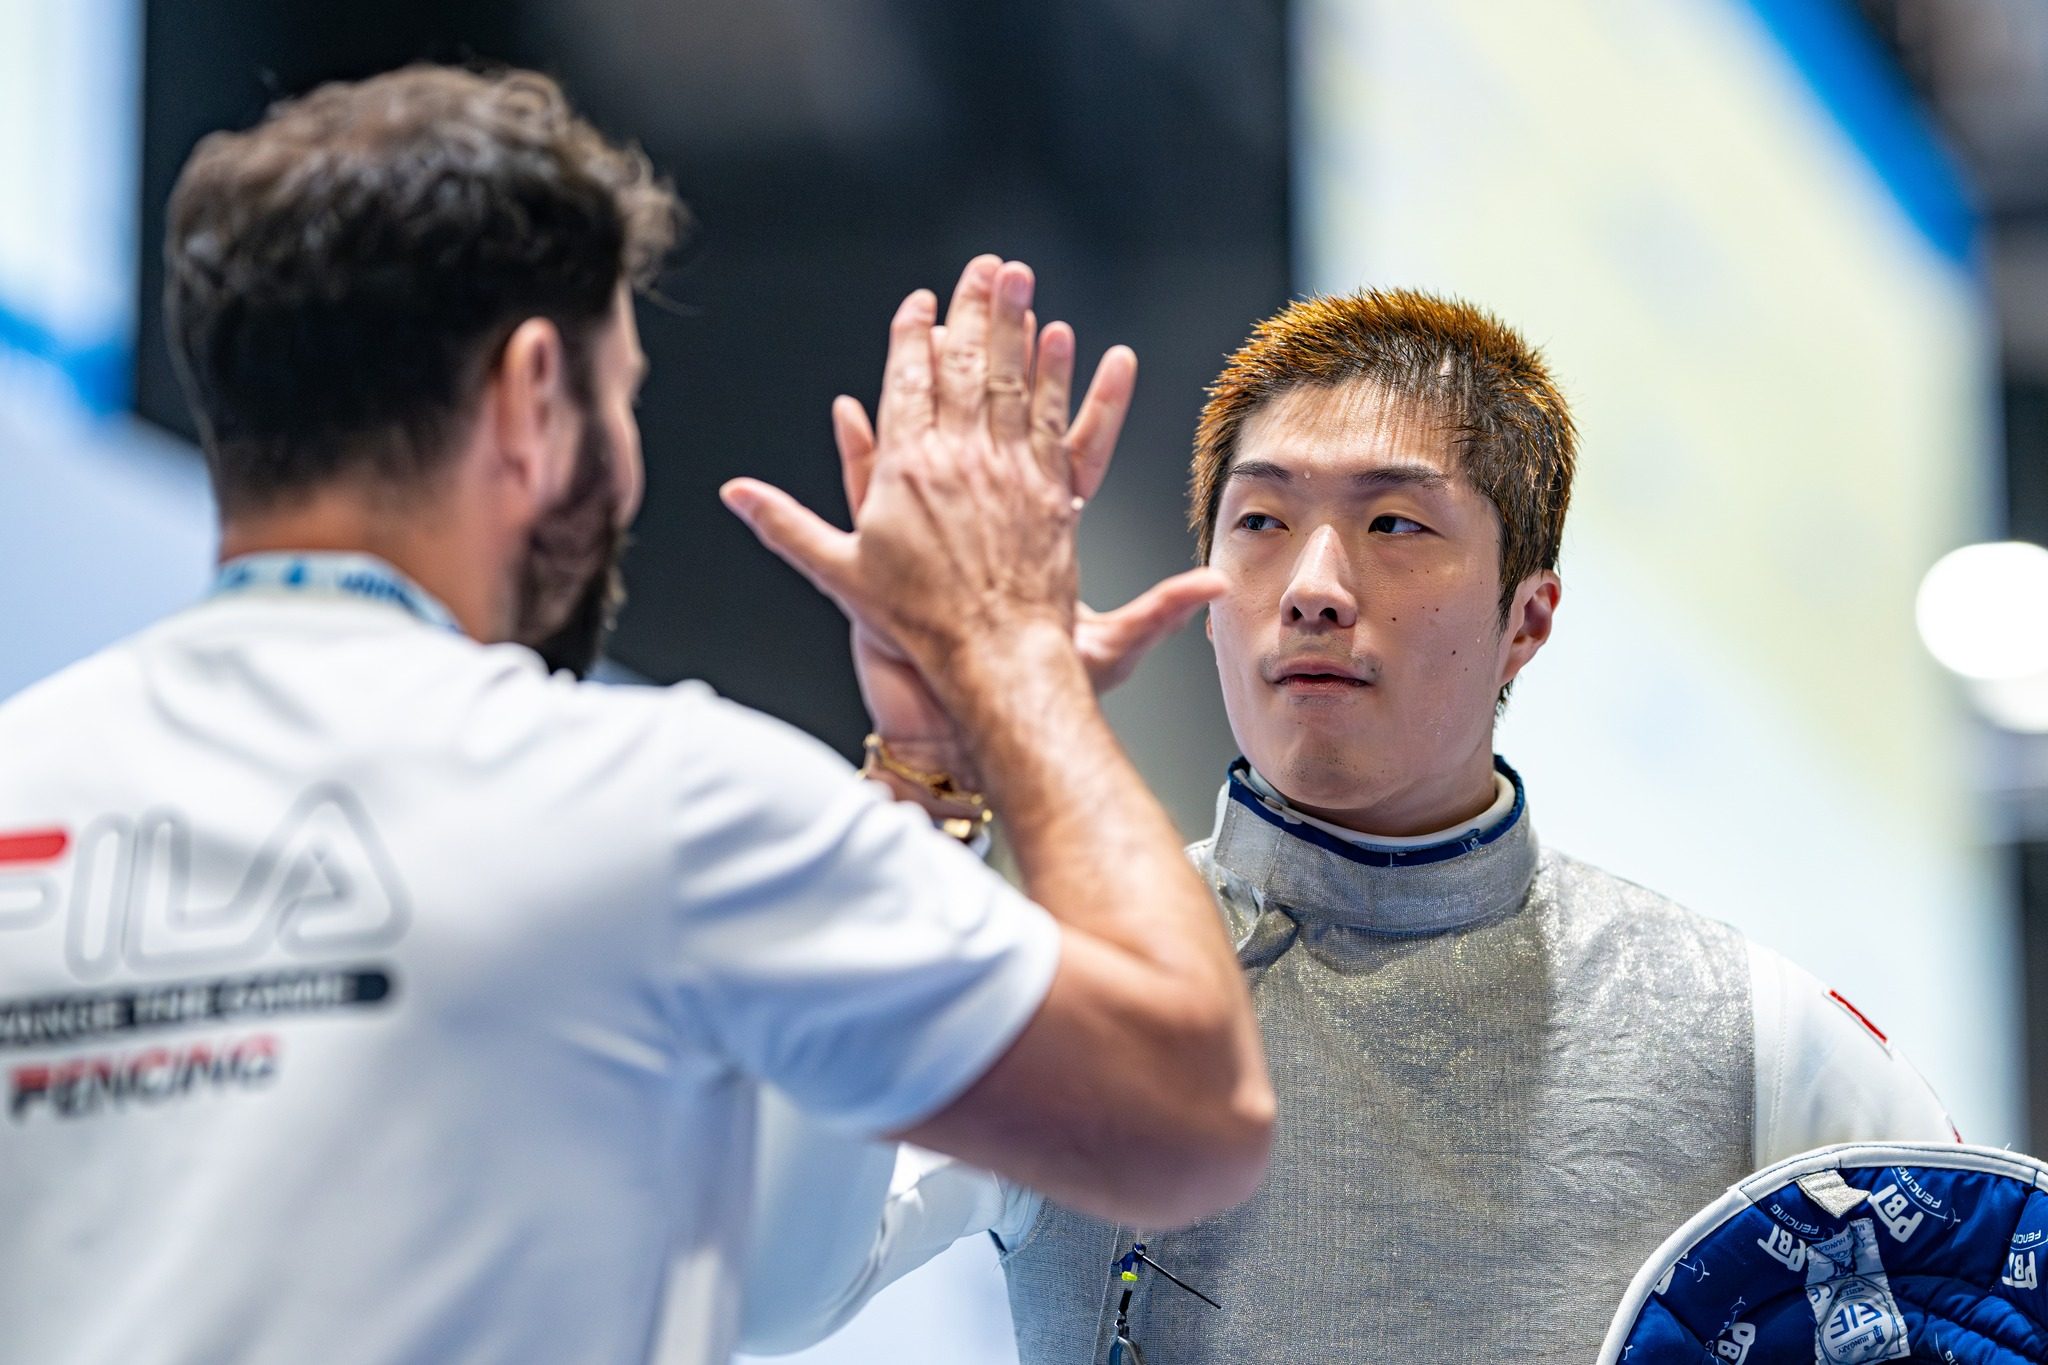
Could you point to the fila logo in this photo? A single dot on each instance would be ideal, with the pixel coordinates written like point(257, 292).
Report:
point(2021, 1271)
point(321, 884)
point(26, 894)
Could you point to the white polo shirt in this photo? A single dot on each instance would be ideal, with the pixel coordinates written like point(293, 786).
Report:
point(368, 995)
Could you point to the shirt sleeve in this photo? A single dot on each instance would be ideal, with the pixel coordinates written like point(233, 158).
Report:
point(1825, 1074)
point(837, 1220)
point(821, 1198)
point(934, 1201)
point(832, 943)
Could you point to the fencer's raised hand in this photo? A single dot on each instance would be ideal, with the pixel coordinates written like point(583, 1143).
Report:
point(964, 538)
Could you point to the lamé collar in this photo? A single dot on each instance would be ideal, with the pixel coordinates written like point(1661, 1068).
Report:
point(1426, 890)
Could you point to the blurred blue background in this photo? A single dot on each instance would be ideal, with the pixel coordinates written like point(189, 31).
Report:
point(1789, 257)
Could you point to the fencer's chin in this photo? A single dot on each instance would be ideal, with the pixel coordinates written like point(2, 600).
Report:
point(1317, 781)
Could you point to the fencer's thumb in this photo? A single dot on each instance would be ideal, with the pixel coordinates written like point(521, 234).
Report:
point(1166, 606)
point(1113, 642)
point(807, 542)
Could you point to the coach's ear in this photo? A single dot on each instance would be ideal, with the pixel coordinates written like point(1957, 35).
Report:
point(531, 419)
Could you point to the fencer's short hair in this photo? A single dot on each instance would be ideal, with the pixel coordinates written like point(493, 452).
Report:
point(341, 277)
point(1455, 363)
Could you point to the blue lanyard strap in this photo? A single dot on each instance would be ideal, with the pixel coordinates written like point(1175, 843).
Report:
point(341, 575)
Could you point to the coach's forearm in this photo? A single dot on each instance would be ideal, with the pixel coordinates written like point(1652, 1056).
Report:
point(1096, 849)
point(1139, 1091)
point(1092, 842)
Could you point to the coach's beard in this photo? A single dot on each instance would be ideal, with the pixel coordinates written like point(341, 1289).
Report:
point(570, 587)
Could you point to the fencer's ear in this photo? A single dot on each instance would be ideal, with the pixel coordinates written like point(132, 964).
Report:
point(1530, 619)
point(532, 416)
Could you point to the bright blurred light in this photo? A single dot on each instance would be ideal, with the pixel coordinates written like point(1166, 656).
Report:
point(1983, 611)
point(2019, 704)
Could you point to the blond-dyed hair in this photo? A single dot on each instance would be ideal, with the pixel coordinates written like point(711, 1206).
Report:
point(1453, 363)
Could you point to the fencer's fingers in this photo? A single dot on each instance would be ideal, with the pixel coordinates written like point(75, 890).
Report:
point(1091, 441)
point(1112, 643)
point(805, 541)
point(1161, 609)
point(855, 438)
point(962, 359)
point(905, 409)
point(1051, 391)
point(1008, 352)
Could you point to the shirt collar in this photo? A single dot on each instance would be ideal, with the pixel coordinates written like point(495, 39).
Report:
point(1477, 875)
point(331, 574)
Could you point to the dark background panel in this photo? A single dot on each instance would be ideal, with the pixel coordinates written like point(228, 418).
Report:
point(836, 154)
point(2031, 859)
point(2026, 457)
point(218, 64)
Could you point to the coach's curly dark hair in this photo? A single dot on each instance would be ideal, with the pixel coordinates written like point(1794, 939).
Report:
point(341, 276)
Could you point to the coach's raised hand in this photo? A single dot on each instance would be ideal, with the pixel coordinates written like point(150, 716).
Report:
point(968, 520)
point(1138, 1091)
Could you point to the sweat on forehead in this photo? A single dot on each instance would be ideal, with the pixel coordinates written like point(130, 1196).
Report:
point(1420, 355)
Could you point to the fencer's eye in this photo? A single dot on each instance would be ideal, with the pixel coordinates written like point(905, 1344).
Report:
point(1397, 526)
point(1257, 521)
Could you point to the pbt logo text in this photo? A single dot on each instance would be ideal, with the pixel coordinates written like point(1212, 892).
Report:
point(1785, 1249)
point(1891, 1206)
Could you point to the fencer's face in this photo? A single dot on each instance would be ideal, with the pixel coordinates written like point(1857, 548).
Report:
point(1360, 645)
point(570, 585)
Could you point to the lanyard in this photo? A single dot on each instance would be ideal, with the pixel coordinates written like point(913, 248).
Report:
point(338, 575)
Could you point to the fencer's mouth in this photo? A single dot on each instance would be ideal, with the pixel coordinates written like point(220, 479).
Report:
point(1317, 675)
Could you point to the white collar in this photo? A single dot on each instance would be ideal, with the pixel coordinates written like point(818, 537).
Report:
point(334, 574)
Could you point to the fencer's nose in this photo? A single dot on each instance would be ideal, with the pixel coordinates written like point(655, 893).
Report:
point(1319, 591)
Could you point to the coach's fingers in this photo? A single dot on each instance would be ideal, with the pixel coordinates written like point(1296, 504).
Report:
point(906, 406)
point(1051, 392)
point(815, 548)
point(1009, 353)
point(855, 437)
point(962, 355)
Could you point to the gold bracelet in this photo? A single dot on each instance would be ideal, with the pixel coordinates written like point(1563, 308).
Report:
point(940, 786)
